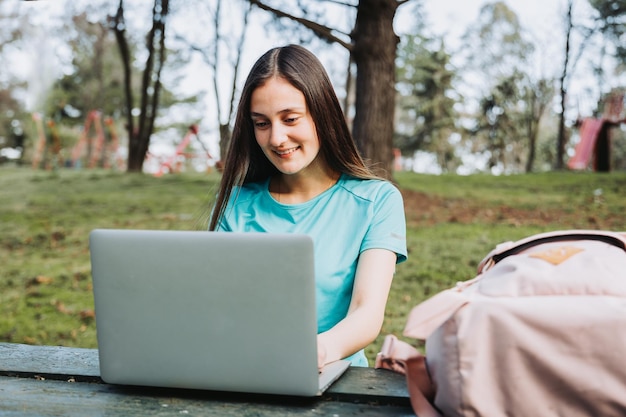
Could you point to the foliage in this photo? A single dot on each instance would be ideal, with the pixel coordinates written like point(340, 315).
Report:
point(612, 14)
point(537, 96)
point(499, 44)
point(498, 123)
point(425, 113)
point(96, 80)
point(12, 112)
point(453, 222)
point(491, 102)
point(498, 60)
point(11, 130)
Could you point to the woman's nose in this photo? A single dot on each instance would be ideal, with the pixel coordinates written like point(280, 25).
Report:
point(278, 135)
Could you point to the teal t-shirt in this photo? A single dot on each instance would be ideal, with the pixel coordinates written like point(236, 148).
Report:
point(352, 216)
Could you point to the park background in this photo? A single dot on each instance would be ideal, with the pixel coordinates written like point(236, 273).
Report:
point(490, 104)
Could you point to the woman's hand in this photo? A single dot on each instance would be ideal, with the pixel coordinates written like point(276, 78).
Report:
point(321, 354)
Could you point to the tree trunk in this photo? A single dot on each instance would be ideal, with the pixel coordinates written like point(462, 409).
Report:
point(119, 28)
point(532, 131)
point(139, 137)
point(225, 135)
point(562, 137)
point(374, 52)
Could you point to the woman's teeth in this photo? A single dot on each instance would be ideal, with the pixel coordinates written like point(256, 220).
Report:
point(287, 152)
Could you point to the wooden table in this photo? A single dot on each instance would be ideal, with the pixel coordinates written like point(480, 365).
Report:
point(61, 381)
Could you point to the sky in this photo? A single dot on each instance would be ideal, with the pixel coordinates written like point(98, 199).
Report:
point(451, 17)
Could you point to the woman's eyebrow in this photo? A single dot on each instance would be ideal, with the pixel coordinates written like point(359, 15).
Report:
point(284, 111)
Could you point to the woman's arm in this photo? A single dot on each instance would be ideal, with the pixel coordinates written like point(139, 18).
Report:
point(364, 320)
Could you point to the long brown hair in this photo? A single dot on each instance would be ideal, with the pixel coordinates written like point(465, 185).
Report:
point(245, 161)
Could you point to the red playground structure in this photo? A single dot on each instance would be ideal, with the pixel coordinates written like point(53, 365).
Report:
point(594, 146)
point(173, 163)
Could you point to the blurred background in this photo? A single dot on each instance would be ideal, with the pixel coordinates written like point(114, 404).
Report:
point(479, 86)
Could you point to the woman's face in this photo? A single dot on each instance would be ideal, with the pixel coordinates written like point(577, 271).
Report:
point(284, 128)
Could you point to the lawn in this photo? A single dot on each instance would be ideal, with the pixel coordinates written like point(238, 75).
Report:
point(453, 222)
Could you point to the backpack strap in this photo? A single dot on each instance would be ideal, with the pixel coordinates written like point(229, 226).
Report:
point(506, 249)
point(403, 358)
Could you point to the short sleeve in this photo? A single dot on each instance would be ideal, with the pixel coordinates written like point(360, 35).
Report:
point(387, 229)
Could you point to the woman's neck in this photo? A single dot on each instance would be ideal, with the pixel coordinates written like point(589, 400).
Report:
point(295, 189)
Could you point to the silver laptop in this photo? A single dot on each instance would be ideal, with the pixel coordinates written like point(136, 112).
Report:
point(208, 310)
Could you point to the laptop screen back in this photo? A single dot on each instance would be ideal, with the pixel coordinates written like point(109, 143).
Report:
point(206, 310)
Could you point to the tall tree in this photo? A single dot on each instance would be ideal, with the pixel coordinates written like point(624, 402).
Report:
point(497, 54)
point(498, 124)
point(425, 113)
point(561, 139)
point(572, 53)
point(95, 80)
point(372, 47)
point(537, 97)
point(139, 133)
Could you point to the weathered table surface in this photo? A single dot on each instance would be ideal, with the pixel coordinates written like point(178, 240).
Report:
point(61, 381)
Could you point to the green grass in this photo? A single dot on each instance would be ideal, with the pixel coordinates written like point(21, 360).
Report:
point(45, 219)
point(453, 222)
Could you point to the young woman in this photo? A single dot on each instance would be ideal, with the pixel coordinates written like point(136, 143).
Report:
point(292, 167)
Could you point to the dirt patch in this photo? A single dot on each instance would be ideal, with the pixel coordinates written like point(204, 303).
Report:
point(425, 209)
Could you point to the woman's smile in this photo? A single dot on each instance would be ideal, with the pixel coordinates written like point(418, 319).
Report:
point(286, 153)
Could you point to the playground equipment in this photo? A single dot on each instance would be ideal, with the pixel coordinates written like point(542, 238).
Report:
point(175, 161)
point(595, 137)
point(94, 146)
point(41, 159)
point(91, 146)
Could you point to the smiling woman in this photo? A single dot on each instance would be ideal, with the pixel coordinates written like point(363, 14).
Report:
point(286, 134)
point(292, 167)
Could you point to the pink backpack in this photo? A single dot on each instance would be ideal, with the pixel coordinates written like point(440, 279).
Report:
point(541, 331)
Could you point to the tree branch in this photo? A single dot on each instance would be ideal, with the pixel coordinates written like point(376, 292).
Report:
point(341, 3)
point(322, 31)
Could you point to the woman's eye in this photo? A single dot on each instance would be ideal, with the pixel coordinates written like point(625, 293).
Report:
point(260, 124)
point(291, 119)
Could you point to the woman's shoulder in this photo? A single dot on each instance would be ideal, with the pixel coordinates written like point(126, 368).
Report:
point(247, 191)
point(369, 189)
